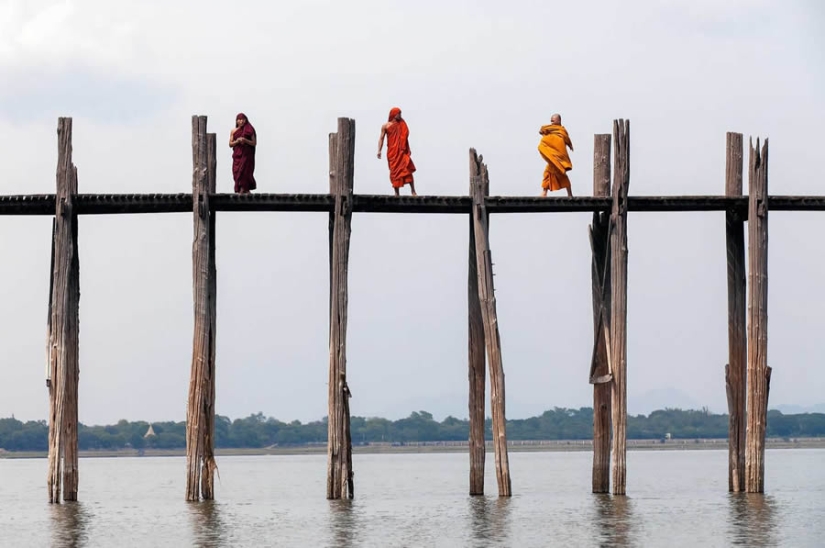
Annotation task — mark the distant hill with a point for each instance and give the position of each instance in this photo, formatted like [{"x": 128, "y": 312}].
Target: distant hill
[
  {"x": 256, "y": 431},
  {"x": 799, "y": 409},
  {"x": 660, "y": 398}
]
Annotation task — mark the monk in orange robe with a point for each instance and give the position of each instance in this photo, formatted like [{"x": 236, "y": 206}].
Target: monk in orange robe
[
  {"x": 398, "y": 151},
  {"x": 553, "y": 148}
]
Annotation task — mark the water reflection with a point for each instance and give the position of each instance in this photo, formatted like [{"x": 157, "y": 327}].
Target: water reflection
[
  {"x": 342, "y": 523},
  {"x": 614, "y": 521},
  {"x": 208, "y": 526},
  {"x": 752, "y": 519},
  {"x": 490, "y": 518},
  {"x": 70, "y": 524}
]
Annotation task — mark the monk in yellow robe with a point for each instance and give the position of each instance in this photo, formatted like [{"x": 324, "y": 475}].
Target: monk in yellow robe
[
  {"x": 553, "y": 148},
  {"x": 398, "y": 151}
]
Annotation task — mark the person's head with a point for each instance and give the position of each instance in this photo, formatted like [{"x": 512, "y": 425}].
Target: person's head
[
  {"x": 240, "y": 119},
  {"x": 555, "y": 119},
  {"x": 395, "y": 115}
]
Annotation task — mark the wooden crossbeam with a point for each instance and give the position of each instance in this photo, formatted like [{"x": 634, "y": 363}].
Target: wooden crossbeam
[{"x": 109, "y": 204}]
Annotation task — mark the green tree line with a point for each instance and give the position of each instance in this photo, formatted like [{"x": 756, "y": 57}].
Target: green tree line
[{"x": 258, "y": 431}]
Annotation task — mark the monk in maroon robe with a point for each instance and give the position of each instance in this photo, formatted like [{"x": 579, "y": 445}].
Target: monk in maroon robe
[{"x": 243, "y": 141}]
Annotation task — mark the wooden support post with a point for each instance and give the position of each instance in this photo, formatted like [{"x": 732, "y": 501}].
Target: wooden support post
[
  {"x": 200, "y": 413},
  {"x": 487, "y": 300},
  {"x": 339, "y": 446},
  {"x": 348, "y": 480},
  {"x": 333, "y": 156},
  {"x": 71, "y": 472},
  {"x": 600, "y": 375},
  {"x": 618, "y": 300},
  {"x": 735, "y": 370},
  {"x": 476, "y": 355},
  {"x": 209, "y": 464},
  {"x": 63, "y": 328},
  {"x": 49, "y": 311},
  {"x": 759, "y": 374}
]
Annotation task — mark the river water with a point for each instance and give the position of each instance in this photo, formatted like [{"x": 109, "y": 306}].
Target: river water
[{"x": 675, "y": 498}]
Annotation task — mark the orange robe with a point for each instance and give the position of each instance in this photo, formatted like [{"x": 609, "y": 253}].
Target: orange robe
[
  {"x": 553, "y": 148},
  {"x": 398, "y": 153}
]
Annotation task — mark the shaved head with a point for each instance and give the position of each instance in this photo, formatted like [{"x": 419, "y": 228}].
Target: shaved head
[{"x": 555, "y": 119}]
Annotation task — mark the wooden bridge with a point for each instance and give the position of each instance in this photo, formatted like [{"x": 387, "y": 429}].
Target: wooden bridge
[
  {"x": 747, "y": 375},
  {"x": 107, "y": 204}
]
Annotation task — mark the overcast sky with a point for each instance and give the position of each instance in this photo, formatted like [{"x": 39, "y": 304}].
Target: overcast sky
[{"x": 467, "y": 73}]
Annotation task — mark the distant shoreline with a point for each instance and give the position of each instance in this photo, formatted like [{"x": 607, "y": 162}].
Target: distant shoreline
[{"x": 553, "y": 446}]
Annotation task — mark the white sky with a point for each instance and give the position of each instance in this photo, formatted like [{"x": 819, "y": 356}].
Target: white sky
[{"x": 466, "y": 73}]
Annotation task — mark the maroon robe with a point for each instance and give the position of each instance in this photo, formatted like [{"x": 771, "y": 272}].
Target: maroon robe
[{"x": 243, "y": 158}]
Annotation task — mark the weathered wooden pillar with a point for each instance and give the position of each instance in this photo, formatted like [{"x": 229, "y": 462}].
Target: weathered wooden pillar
[
  {"x": 333, "y": 157},
  {"x": 618, "y": 300},
  {"x": 200, "y": 412},
  {"x": 759, "y": 374},
  {"x": 476, "y": 355},
  {"x": 339, "y": 449},
  {"x": 735, "y": 370},
  {"x": 210, "y": 466},
  {"x": 487, "y": 301},
  {"x": 63, "y": 327},
  {"x": 600, "y": 374},
  {"x": 348, "y": 481}
]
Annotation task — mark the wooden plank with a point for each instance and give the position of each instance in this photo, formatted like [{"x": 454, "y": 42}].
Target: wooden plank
[
  {"x": 200, "y": 462},
  {"x": 735, "y": 370},
  {"x": 49, "y": 310},
  {"x": 333, "y": 147},
  {"x": 55, "y": 437},
  {"x": 347, "y": 479},
  {"x": 71, "y": 473},
  {"x": 618, "y": 309},
  {"x": 600, "y": 286},
  {"x": 487, "y": 299},
  {"x": 107, "y": 204},
  {"x": 209, "y": 464},
  {"x": 346, "y": 167},
  {"x": 758, "y": 372},
  {"x": 476, "y": 358},
  {"x": 339, "y": 456},
  {"x": 332, "y": 426},
  {"x": 62, "y": 332}
]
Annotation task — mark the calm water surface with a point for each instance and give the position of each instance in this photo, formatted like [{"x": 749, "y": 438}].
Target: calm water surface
[{"x": 676, "y": 498}]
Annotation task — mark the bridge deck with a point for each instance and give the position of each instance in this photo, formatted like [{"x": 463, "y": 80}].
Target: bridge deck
[{"x": 100, "y": 204}]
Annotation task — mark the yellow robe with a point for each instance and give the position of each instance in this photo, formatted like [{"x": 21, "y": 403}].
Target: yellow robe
[{"x": 553, "y": 148}]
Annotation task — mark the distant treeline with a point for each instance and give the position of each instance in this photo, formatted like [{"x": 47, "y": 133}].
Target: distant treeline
[{"x": 258, "y": 431}]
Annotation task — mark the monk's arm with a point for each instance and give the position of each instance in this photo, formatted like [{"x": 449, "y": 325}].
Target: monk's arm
[
  {"x": 254, "y": 141},
  {"x": 381, "y": 140},
  {"x": 232, "y": 141}
]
